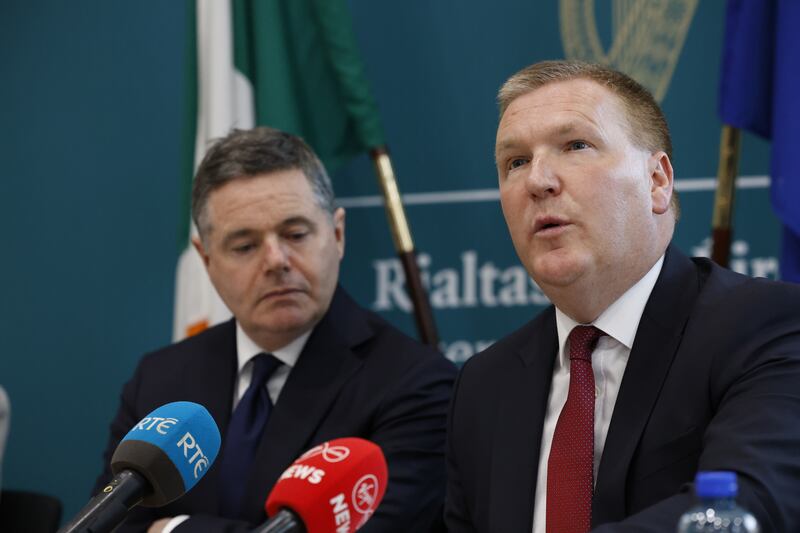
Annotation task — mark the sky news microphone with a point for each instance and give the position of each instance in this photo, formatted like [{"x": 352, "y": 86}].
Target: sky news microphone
[
  {"x": 332, "y": 488},
  {"x": 161, "y": 458}
]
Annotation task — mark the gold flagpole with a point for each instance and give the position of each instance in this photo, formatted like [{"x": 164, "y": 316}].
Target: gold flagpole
[
  {"x": 404, "y": 245},
  {"x": 722, "y": 220}
]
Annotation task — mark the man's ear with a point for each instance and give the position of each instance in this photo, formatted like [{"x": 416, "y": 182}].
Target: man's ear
[
  {"x": 198, "y": 245},
  {"x": 338, "y": 229},
  {"x": 661, "y": 182}
]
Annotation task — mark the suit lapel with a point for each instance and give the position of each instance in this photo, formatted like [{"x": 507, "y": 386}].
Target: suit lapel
[
  {"x": 657, "y": 340},
  {"x": 324, "y": 366},
  {"x": 518, "y": 429},
  {"x": 209, "y": 381},
  {"x": 219, "y": 374}
]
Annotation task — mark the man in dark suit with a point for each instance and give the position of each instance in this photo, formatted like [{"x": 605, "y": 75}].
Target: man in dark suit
[
  {"x": 272, "y": 241},
  {"x": 649, "y": 367}
]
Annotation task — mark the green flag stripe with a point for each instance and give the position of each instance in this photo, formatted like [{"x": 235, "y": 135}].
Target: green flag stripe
[
  {"x": 301, "y": 58},
  {"x": 340, "y": 41}
]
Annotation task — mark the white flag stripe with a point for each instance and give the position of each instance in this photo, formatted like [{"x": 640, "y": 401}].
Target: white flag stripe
[
  {"x": 224, "y": 96},
  {"x": 224, "y": 101}
]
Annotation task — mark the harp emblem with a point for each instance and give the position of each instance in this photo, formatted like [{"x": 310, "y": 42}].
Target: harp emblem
[{"x": 647, "y": 37}]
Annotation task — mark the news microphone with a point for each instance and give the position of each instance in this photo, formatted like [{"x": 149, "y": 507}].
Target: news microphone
[
  {"x": 161, "y": 458},
  {"x": 332, "y": 488}
]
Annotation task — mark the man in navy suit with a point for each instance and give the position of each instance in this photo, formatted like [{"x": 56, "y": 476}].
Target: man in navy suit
[
  {"x": 272, "y": 239},
  {"x": 649, "y": 367}
]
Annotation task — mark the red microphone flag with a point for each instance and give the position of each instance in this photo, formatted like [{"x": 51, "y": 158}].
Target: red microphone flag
[{"x": 334, "y": 487}]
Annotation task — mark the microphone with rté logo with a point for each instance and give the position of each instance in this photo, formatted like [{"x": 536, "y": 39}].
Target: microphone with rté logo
[
  {"x": 161, "y": 458},
  {"x": 332, "y": 488}
]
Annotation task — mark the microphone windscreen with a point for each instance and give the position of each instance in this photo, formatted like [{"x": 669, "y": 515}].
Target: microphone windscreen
[
  {"x": 334, "y": 487},
  {"x": 5, "y": 420},
  {"x": 172, "y": 447}
]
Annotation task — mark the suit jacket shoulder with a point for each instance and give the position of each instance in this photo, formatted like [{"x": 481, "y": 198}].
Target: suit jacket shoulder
[{"x": 199, "y": 369}]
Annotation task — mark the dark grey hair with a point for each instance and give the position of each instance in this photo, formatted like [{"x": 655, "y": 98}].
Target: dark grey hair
[{"x": 244, "y": 154}]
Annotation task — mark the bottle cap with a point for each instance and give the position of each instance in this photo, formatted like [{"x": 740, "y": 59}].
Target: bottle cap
[{"x": 719, "y": 484}]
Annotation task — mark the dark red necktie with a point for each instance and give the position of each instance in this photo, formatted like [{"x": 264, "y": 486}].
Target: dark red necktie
[{"x": 570, "y": 478}]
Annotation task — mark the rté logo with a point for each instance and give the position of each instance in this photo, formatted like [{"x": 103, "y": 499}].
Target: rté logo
[
  {"x": 188, "y": 442},
  {"x": 161, "y": 425}
]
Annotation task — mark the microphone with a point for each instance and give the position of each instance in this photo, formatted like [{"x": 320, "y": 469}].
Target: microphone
[
  {"x": 161, "y": 458},
  {"x": 332, "y": 488},
  {"x": 5, "y": 422}
]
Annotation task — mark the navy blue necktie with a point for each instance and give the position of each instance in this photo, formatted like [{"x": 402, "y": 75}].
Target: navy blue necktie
[{"x": 244, "y": 433}]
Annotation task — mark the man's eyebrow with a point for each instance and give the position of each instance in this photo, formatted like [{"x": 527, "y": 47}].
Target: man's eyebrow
[
  {"x": 566, "y": 128},
  {"x": 238, "y": 234},
  {"x": 506, "y": 145},
  {"x": 299, "y": 219}
]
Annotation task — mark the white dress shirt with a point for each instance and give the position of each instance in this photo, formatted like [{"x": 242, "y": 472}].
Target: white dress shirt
[
  {"x": 246, "y": 349},
  {"x": 619, "y": 322}
]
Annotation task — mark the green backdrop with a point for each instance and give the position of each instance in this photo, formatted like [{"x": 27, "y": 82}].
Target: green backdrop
[{"x": 91, "y": 113}]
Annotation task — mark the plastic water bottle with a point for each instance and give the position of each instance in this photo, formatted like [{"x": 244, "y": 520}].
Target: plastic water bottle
[{"x": 717, "y": 510}]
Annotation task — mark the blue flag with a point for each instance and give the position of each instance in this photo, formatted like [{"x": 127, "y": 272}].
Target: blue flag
[{"x": 760, "y": 92}]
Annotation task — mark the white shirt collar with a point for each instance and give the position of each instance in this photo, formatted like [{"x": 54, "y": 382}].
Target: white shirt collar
[
  {"x": 246, "y": 349},
  {"x": 620, "y": 320}
]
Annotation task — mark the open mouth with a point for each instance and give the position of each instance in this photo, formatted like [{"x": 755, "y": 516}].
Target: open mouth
[{"x": 549, "y": 224}]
